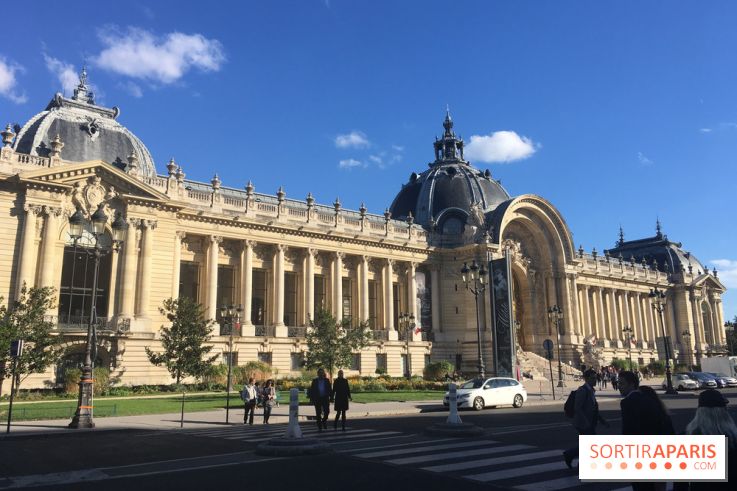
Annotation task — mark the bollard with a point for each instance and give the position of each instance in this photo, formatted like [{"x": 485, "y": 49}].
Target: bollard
[
  {"x": 181, "y": 421},
  {"x": 293, "y": 429},
  {"x": 453, "y": 418}
]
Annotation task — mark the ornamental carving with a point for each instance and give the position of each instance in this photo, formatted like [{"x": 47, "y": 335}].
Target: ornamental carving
[{"x": 87, "y": 197}]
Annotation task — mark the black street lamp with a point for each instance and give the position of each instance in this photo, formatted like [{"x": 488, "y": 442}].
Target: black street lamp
[
  {"x": 628, "y": 332},
  {"x": 230, "y": 316},
  {"x": 77, "y": 222},
  {"x": 555, "y": 314},
  {"x": 474, "y": 277},
  {"x": 407, "y": 327},
  {"x": 686, "y": 336},
  {"x": 658, "y": 298}
]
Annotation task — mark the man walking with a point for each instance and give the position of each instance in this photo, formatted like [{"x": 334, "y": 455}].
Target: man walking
[
  {"x": 320, "y": 395},
  {"x": 249, "y": 396},
  {"x": 586, "y": 413}
]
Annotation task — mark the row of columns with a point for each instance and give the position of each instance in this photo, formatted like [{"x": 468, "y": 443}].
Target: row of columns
[{"x": 278, "y": 267}]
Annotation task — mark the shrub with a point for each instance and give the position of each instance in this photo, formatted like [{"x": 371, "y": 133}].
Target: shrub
[
  {"x": 380, "y": 371},
  {"x": 257, "y": 370},
  {"x": 216, "y": 375},
  {"x": 101, "y": 385},
  {"x": 438, "y": 370},
  {"x": 657, "y": 367}
]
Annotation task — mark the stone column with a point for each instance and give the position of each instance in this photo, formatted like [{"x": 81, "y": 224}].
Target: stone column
[
  {"x": 175, "y": 277},
  {"x": 111, "y": 292},
  {"x": 281, "y": 328},
  {"x": 48, "y": 252},
  {"x": 310, "y": 284},
  {"x": 212, "y": 277},
  {"x": 130, "y": 267},
  {"x": 28, "y": 252},
  {"x": 247, "y": 287},
  {"x": 144, "y": 290},
  {"x": 338, "y": 285},
  {"x": 412, "y": 297},
  {"x": 364, "y": 287},
  {"x": 435, "y": 298},
  {"x": 389, "y": 300},
  {"x": 600, "y": 318},
  {"x": 719, "y": 309},
  {"x": 574, "y": 309},
  {"x": 698, "y": 325}
]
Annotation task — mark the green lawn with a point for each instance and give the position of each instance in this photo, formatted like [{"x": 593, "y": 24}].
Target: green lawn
[{"x": 193, "y": 402}]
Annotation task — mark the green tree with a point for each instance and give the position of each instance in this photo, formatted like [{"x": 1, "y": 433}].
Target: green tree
[
  {"x": 731, "y": 338},
  {"x": 186, "y": 342},
  {"x": 331, "y": 344},
  {"x": 26, "y": 319}
]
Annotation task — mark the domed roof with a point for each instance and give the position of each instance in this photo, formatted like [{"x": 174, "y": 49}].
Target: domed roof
[
  {"x": 450, "y": 188},
  {"x": 88, "y": 131},
  {"x": 668, "y": 256}
]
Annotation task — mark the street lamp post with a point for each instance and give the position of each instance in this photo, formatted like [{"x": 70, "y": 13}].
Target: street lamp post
[
  {"x": 658, "y": 298},
  {"x": 628, "y": 332},
  {"x": 474, "y": 277},
  {"x": 555, "y": 314},
  {"x": 686, "y": 336},
  {"x": 407, "y": 326},
  {"x": 83, "y": 416},
  {"x": 230, "y": 316},
  {"x": 729, "y": 329}
]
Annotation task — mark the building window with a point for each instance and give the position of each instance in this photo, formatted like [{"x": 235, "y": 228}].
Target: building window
[
  {"x": 258, "y": 298},
  {"x": 397, "y": 304},
  {"x": 77, "y": 274},
  {"x": 319, "y": 289},
  {"x": 381, "y": 363},
  {"x": 405, "y": 364},
  {"x": 356, "y": 362},
  {"x": 372, "y": 304},
  {"x": 290, "y": 299},
  {"x": 427, "y": 360},
  {"x": 189, "y": 280},
  {"x": 265, "y": 357},
  {"x": 226, "y": 286},
  {"x": 297, "y": 361},
  {"x": 347, "y": 299},
  {"x": 233, "y": 358}
]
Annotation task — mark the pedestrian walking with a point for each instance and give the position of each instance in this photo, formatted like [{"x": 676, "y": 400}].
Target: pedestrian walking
[
  {"x": 585, "y": 413},
  {"x": 712, "y": 418},
  {"x": 605, "y": 378},
  {"x": 341, "y": 396},
  {"x": 249, "y": 396},
  {"x": 267, "y": 395},
  {"x": 666, "y": 423},
  {"x": 320, "y": 395},
  {"x": 615, "y": 379},
  {"x": 259, "y": 397}
]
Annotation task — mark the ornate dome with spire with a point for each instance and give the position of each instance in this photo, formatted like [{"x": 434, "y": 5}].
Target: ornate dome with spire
[
  {"x": 451, "y": 193},
  {"x": 88, "y": 132}
]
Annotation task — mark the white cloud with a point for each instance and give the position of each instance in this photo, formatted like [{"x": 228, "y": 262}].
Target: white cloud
[
  {"x": 133, "y": 89},
  {"x": 398, "y": 148},
  {"x": 727, "y": 271},
  {"x": 350, "y": 164},
  {"x": 8, "y": 81},
  {"x": 139, "y": 54},
  {"x": 705, "y": 130},
  {"x": 500, "y": 146},
  {"x": 64, "y": 72},
  {"x": 643, "y": 159},
  {"x": 354, "y": 139}
]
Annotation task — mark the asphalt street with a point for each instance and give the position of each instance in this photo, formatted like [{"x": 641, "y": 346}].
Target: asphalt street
[{"x": 520, "y": 450}]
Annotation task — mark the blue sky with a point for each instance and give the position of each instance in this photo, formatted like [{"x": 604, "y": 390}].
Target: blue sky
[{"x": 616, "y": 112}]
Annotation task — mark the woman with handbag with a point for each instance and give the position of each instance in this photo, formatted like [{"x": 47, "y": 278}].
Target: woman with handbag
[
  {"x": 267, "y": 394},
  {"x": 341, "y": 395}
]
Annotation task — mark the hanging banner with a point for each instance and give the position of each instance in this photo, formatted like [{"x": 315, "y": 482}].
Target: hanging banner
[{"x": 501, "y": 302}]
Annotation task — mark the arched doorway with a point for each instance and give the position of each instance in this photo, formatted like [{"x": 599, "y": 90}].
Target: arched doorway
[{"x": 77, "y": 275}]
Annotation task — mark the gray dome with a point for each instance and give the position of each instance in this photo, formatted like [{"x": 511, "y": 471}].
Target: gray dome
[
  {"x": 450, "y": 189},
  {"x": 88, "y": 131}
]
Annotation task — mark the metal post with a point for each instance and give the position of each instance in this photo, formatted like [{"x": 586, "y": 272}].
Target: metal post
[
  {"x": 12, "y": 393},
  {"x": 550, "y": 364},
  {"x": 181, "y": 420},
  {"x": 230, "y": 371},
  {"x": 482, "y": 368},
  {"x": 560, "y": 364}
]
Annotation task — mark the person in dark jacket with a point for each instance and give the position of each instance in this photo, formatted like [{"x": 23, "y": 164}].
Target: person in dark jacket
[
  {"x": 320, "y": 396},
  {"x": 586, "y": 413},
  {"x": 341, "y": 395},
  {"x": 666, "y": 423}
]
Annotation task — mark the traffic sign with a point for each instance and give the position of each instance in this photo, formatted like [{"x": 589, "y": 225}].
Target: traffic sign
[{"x": 548, "y": 345}]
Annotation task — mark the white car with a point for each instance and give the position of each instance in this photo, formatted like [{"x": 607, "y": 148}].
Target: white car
[
  {"x": 495, "y": 391},
  {"x": 681, "y": 381}
]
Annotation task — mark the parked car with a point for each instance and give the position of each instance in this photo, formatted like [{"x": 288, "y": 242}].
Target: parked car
[
  {"x": 705, "y": 381},
  {"x": 495, "y": 391},
  {"x": 722, "y": 380},
  {"x": 682, "y": 381}
]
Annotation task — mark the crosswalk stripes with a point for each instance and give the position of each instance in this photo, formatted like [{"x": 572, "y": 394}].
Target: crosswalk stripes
[{"x": 507, "y": 459}]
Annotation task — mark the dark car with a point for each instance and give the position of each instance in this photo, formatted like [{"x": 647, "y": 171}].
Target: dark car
[
  {"x": 722, "y": 380},
  {"x": 704, "y": 380}
]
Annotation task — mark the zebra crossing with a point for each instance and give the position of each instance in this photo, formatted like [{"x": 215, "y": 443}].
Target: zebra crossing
[{"x": 509, "y": 465}]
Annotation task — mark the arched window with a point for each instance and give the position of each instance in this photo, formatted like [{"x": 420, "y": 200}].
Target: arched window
[
  {"x": 453, "y": 226},
  {"x": 77, "y": 275}
]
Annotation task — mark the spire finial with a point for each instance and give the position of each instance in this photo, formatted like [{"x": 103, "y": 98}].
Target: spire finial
[
  {"x": 658, "y": 229},
  {"x": 83, "y": 75},
  {"x": 621, "y": 236},
  {"x": 82, "y": 93}
]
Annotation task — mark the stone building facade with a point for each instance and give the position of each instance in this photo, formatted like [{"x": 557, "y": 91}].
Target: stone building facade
[{"x": 282, "y": 258}]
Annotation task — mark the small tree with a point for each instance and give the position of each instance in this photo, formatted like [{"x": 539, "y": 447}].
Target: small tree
[
  {"x": 26, "y": 319},
  {"x": 331, "y": 344},
  {"x": 186, "y": 342}
]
